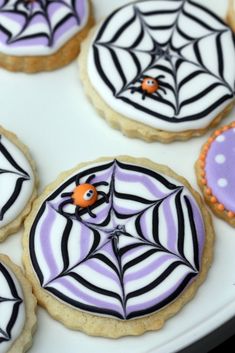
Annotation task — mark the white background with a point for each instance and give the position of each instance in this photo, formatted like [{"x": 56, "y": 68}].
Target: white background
[{"x": 50, "y": 113}]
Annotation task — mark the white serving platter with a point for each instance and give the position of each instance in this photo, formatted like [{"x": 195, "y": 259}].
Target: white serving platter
[{"x": 52, "y": 115}]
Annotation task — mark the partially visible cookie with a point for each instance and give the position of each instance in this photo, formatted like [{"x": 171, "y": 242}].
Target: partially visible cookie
[
  {"x": 157, "y": 72},
  {"x": 18, "y": 183},
  {"x": 17, "y": 308},
  {"x": 231, "y": 14},
  {"x": 42, "y": 35},
  {"x": 115, "y": 247},
  {"x": 215, "y": 171}
]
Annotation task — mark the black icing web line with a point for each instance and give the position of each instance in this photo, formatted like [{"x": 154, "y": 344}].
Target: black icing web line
[
  {"x": 21, "y": 177},
  {"x": 15, "y": 300},
  {"x": 26, "y": 9},
  {"x": 166, "y": 58},
  {"x": 112, "y": 236}
]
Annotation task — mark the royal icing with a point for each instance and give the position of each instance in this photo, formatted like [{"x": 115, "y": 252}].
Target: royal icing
[
  {"x": 39, "y": 27},
  {"x": 218, "y": 172},
  {"x": 12, "y": 308},
  {"x": 16, "y": 181},
  {"x": 127, "y": 255},
  {"x": 179, "y": 43}
]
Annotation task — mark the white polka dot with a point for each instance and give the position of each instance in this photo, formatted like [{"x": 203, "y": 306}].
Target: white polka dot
[
  {"x": 220, "y": 158},
  {"x": 220, "y": 138},
  {"x": 234, "y": 130},
  {"x": 222, "y": 182}
]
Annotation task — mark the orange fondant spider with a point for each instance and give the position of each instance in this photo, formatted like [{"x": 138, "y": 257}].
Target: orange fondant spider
[
  {"x": 149, "y": 86},
  {"x": 83, "y": 196}
]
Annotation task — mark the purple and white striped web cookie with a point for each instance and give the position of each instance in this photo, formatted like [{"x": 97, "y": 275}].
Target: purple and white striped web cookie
[{"x": 131, "y": 253}]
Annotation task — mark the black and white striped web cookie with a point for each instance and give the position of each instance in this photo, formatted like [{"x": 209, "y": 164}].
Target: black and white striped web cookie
[
  {"x": 17, "y": 307},
  {"x": 161, "y": 70},
  {"x": 17, "y": 183}
]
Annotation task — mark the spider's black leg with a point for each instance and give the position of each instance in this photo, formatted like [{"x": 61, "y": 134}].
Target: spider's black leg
[
  {"x": 159, "y": 77},
  {"x": 77, "y": 180},
  {"x": 100, "y": 183},
  {"x": 91, "y": 214},
  {"x": 158, "y": 94},
  {"x": 18, "y": 2},
  {"x": 90, "y": 178},
  {"x": 144, "y": 95},
  {"x": 133, "y": 90},
  {"x": 104, "y": 195},
  {"x": 162, "y": 89},
  {"x": 67, "y": 194},
  {"x": 64, "y": 203},
  {"x": 77, "y": 214}
]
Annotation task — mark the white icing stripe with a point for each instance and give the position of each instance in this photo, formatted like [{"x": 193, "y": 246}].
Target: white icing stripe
[
  {"x": 187, "y": 49},
  {"x": 12, "y": 308},
  {"x": 16, "y": 181}
]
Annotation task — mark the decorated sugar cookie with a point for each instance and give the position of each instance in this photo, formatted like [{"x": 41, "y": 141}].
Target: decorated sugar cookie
[
  {"x": 231, "y": 14},
  {"x": 160, "y": 70},
  {"x": 216, "y": 172},
  {"x": 17, "y": 183},
  {"x": 41, "y": 35},
  {"x": 117, "y": 246},
  {"x": 17, "y": 308}
]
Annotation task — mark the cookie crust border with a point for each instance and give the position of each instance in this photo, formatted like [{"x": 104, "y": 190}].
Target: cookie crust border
[
  {"x": 67, "y": 53},
  {"x": 108, "y": 327},
  {"x": 231, "y": 14},
  {"x": 24, "y": 341},
  {"x": 14, "y": 226},
  {"x": 129, "y": 127},
  {"x": 215, "y": 205}
]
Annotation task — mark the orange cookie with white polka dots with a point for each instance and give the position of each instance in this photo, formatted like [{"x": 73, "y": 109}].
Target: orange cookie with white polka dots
[{"x": 216, "y": 173}]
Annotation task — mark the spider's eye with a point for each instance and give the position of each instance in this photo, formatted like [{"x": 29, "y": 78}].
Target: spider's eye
[{"x": 88, "y": 195}]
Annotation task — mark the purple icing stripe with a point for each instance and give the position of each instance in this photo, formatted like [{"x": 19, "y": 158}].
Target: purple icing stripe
[
  {"x": 134, "y": 276},
  {"x": 200, "y": 228},
  {"x": 81, "y": 8},
  {"x": 100, "y": 268},
  {"x": 142, "y": 179}
]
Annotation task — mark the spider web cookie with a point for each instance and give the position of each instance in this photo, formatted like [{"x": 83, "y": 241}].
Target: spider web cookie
[
  {"x": 17, "y": 308},
  {"x": 17, "y": 183},
  {"x": 183, "y": 43},
  {"x": 132, "y": 252},
  {"x": 40, "y": 35}
]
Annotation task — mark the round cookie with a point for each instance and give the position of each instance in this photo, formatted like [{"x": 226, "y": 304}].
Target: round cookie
[
  {"x": 123, "y": 258},
  {"x": 231, "y": 14},
  {"x": 40, "y": 35},
  {"x": 18, "y": 183},
  {"x": 160, "y": 70},
  {"x": 17, "y": 307},
  {"x": 216, "y": 173}
]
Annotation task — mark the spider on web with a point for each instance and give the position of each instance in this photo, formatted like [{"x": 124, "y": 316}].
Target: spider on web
[
  {"x": 83, "y": 196},
  {"x": 149, "y": 86}
]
